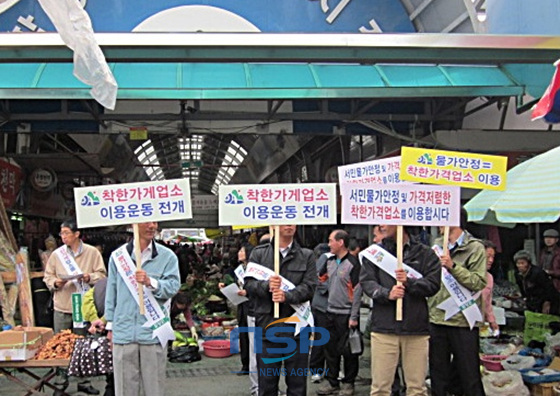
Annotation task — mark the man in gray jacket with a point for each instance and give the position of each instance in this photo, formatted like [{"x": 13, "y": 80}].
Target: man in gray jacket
[{"x": 342, "y": 271}]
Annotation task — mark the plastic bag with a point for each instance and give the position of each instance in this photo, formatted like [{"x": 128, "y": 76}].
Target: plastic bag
[
  {"x": 504, "y": 383},
  {"x": 518, "y": 362},
  {"x": 536, "y": 326},
  {"x": 551, "y": 341},
  {"x": 355, "y": 342}
]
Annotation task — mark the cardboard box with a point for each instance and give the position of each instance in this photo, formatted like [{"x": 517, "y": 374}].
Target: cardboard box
[
  {"x": 544, "y": 389},
  {"x": 22, "y": 344}
]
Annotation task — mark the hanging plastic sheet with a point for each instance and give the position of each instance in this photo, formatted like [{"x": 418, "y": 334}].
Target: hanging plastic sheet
[{"x": 74, "y": 26}]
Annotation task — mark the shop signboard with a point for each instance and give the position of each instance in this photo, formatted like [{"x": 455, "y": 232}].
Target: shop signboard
[
  {"x": 204, "y": 203},
  {"x": 286, "y": 16},
  {"x": 400, "y": 204},
  {"x": 471, "y": 170},
  {"x": 131, "y": 203},
  {"x": 277, "y": 204},
  {"x": 10, "y": 183}
]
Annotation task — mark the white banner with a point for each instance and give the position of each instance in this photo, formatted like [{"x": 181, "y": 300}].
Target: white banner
[
  {"x": 386, "y": 261},
  {"x": 156, "y": 319},
  {"x": 401, "y": 204},
  {"x": 71, "y": 268},
  {"x": 131, "y": 203},
  {"x": 461, "y": 300},
  {"x": 303, "y": 311},
  {"x": 277, "y": 204}
]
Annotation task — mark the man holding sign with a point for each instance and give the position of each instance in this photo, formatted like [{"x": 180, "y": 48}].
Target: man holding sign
[
  {"x": 140, "y": 341},
  {"x": 454, "y": 311},
  {"x": 297, "y": 265},
  {"x": 70, "y": 271},
  {"x": 407, "y": 339}
]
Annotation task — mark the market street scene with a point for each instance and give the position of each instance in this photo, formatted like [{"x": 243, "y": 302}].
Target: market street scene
[{"x": 298, "y": 197}]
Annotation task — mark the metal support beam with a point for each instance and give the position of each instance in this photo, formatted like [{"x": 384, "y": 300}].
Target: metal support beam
[{"x": 274, "y": 47}]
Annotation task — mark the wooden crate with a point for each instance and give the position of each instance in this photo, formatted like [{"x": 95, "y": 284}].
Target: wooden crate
[{"x": 544, "y": 389}]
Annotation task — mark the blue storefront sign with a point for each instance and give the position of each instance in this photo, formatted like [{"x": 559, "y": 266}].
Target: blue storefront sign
[{"x": 285, "y": 16}]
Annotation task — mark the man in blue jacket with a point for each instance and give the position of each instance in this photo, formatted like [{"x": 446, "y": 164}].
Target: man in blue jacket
[
  {"x": 409, "y": 337},
  {"x": 139, "y": 358}
]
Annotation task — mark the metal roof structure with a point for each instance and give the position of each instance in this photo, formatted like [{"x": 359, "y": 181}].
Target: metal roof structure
[{"x": 221, "y": 107}]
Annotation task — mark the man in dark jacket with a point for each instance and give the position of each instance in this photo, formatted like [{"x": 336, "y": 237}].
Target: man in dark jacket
[
  {"x": 390, "y": 338},
  {"x": 297, "y": 265},
  {"x": 535, "y": 285}
]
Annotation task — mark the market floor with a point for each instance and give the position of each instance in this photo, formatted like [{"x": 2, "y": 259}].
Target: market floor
[{"x": 208, "y": 377}]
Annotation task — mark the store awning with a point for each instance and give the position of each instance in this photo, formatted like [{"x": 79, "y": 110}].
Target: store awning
[{"x": 262, "y": 81}]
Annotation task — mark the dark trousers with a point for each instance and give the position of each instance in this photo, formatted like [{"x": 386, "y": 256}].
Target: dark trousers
[
  {"x": 293, "y": 370},
  {"x": 463, "y": 344},
  {"x": 317, "y": 358},
  {"x": 337, "y": 347},
  {"x": 243, "y": 337}
]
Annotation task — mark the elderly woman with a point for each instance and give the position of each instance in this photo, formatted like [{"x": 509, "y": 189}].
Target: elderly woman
[{"x": 535, "y": 285}]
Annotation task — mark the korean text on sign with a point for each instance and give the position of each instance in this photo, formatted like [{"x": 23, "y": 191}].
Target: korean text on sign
[
  {"x": 133, "y": 203},
  {"x": 277, "y": 204},
  {"x": 401, "y": 204},
  {"x": 454, "y": 168},
  {"x": 384, "y": 171}
]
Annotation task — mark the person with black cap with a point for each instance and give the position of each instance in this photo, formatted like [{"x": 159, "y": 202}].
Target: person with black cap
[
  {"x": 535, "y": 286},
  {"x": 549, "y": 258}
]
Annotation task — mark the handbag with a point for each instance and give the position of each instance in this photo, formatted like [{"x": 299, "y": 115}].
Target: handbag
[
  {"x": 92, "y": 356},
  {"x": 355, "y": 342}
]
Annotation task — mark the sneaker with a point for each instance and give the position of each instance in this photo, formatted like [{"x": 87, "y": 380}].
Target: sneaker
[
  {"x": 86, "y": 387},
  {"x": 328, "y": 389},
  {"x": 346, "y": 389},
  {"x": 316, "y": 378}
]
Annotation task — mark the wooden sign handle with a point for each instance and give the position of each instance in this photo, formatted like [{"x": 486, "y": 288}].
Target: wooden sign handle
[
  {"x": 276, "y": 265},
  {"x": 399, "y": 317},
  {"x": 138, "y": 256},
  {"x": 445, "y": 239}
]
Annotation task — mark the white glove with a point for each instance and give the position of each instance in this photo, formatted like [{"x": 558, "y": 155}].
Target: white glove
[{"x": 194, "y": 334}]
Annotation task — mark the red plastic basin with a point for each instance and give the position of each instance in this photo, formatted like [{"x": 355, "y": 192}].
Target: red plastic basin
[
  {"x": 216, "y": 348},
  {"x": 492, "y": 362}
]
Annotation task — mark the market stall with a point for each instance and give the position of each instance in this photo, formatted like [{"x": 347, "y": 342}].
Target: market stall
[{"x": 42, "y": 379}]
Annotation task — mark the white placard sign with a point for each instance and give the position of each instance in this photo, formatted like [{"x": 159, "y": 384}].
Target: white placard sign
[
  {"x": 131, "y": 203},
  {"x": 402, "y": 204},
  {"x": 277, "y": 204},
  {"x": 383, "y": 171}
]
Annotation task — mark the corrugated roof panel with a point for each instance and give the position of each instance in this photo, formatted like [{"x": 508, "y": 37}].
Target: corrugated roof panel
[
  {"x": 57, "y": 75},
  {"x": 479, "y": 76},
  {"x": 281, "y": 76},
  {"x": 348, "y": 76},
  {"x": 258, "y": 81},
  {"x": 213, "y": 75},
  {"x": 414, "y": 76},
  {"x": 18, "y": 75},
  {"x": 146, "y": 75}
]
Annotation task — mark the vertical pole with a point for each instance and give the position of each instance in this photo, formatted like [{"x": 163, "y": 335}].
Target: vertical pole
[
  {"x": 276, "y": 265},
  {"x": 445, "y": 239},
  {"x": 399, "y": 266},
  {"x": 138, "y": 256}
]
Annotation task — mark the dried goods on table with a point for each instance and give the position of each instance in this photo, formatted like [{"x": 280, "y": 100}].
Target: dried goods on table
[{"x": 58, "y": 347}]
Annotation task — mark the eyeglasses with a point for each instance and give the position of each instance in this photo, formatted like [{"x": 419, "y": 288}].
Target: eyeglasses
[{"x": 65, "y": 233}]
